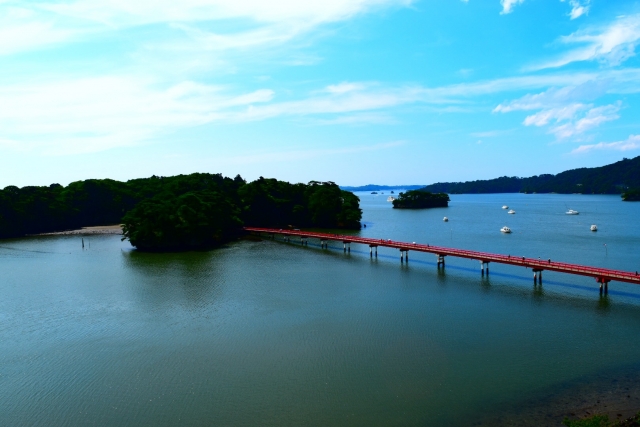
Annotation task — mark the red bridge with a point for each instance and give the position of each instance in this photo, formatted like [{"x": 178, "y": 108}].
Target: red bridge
[{"x": 602, "y": 275}]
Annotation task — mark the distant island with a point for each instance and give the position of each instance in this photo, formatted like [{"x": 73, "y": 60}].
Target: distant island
[
  {"x": 631, "y": 195},
  {"x": 177, "y": 213},
  {"x": 418, "y": 199},
  {"x": 615, "y": 178}
]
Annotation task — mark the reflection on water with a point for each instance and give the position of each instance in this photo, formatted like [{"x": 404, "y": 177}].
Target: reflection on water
[{"x": 274, "y": 333}]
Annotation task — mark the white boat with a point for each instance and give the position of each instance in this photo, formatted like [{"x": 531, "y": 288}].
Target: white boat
[
  {"x": 505, "y": 207},
  {"x": 505, "y": 229},
  {"x": 445, "y": 219},
  {"x": 572, "y": 212},
  {"x": 594, "y": 227},
  {"x": 390, "y": 199},
  {"x": 511, "y": 211}
]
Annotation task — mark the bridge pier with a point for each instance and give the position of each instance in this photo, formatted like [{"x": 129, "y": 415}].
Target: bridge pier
[
  {"x": 537, "y": 273},
  {"x": 371, "y": 250},
  {"x": 440, "y": 259},
  {"x": 404, "y": 254},
  {"x": 604, "y": 283},
  {"x": 346, "y": 246},
  {"x": 483, "y": 265}
]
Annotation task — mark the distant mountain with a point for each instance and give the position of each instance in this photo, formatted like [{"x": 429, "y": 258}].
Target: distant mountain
[
  {"x": 615, "y": 178},
  {"x": 373, "y": 187}
]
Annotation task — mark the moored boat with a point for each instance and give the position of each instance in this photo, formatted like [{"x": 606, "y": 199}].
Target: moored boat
[
  {"x": 505, "y": 229},
  {"x": 594, "y": 227},
  {"x": 511, "y": 212}
]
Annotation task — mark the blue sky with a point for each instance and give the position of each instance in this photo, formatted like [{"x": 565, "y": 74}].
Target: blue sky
[{"x": 352, "y": 91}]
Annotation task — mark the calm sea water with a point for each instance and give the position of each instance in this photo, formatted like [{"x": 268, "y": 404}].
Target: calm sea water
[{"x": 274, "y": 334}]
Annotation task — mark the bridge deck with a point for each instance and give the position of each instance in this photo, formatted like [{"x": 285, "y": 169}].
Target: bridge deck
[{"x": 601, "y": 274}]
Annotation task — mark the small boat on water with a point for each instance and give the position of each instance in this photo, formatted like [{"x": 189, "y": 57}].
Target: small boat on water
[
  {"x": 374, "y": 192},
  {"x": 511, "y": 212},
  {"x": 390, "y": 199},
  {"x": 572, "y": 212},
  {"x": 505, "y": 229},
  {"x": 505, "y": 207},
  {"x": 594, "y": 227},
  {"x": 445, "y": 219}
]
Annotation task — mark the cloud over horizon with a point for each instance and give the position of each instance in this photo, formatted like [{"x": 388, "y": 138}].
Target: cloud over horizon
[{"x": 631, "y": 143}]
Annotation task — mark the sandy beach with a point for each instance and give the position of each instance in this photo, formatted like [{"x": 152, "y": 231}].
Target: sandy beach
[{"x": 100, "y": 229}]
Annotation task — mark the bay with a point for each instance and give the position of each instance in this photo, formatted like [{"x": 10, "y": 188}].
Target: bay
[{"x": 263, "y": 332}]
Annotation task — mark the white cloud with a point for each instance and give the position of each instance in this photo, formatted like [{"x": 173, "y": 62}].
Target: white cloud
[
  {"x": 610, "y": 45},
  {"x": 249, "y": 22},
  {"x": 593, "y": 118},
  {"x": 507, "y": 5},
  {"x": 96, "y": 114},
  {"x": 22, "y": 29},
  {"x": 578, "y": 7},
  {"x": 631, "y": 143},
  {"x": 559, "y": 97},
  {"x": 543, "y": 117},
  {"x": 296, "y": 155},
  {"x": 125, "y": 12},
  {"x": 344, "y": 87},
  {"x": 562, "y": 107}
]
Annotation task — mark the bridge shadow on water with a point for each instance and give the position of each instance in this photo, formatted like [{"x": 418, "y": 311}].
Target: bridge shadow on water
[{"x": 485, "y": 280}]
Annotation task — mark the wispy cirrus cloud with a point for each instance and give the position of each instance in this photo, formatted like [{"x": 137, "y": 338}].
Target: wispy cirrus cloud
[
  {"x": 36, "y": 25},
  {"x": 631, "y": 143},
  {"x": 98, "y": 113},
  {"x": 579, "y": 124},
  {"x": 610, "y": 45},
  {"x": 507, "y": 5},
  {"x": 578, "y": 7},
  {"x": 294, "y": 155},
  {"x": 565, "y": 109}
]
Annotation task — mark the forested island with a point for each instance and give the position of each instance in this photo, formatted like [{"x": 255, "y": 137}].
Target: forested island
[
  {"x": 418, "y": 199},
  {"x": 631, "y": 195},
  {"x": 178, "y": 212},
  {"x": 615, "y": 178}
]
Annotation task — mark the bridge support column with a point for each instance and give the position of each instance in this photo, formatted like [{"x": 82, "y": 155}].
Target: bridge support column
[
  {"x": 440, "y": 259},
  {"x": 346, "y": 246},
  {"x": 371, "y": 250},
  {"x": 484, "y": 265},
  {"x": 604, "y": 284},
  {"x": 537, "y": 276}
]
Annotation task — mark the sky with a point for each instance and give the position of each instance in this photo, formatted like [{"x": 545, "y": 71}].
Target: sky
[{"x": 351, "y": 91}]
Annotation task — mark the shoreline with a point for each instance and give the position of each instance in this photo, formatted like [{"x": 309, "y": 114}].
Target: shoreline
[
  {"x": 84, "y": 231},
  {"x": 615, "y": 393}
]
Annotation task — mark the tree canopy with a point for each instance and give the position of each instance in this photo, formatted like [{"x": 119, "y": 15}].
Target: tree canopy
[
  {"x": 610, "y": 179},
  {"x": 184, "y": 211},
  {"x": 418, "y": 199}
]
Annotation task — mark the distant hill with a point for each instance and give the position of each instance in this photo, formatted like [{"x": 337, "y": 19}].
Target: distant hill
[
  {"x": 615, "y": 178},
  {"x": 373, "y": 187}
]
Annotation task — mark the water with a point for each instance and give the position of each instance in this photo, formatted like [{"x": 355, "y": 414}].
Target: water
[{"x": 270, "y": 333}]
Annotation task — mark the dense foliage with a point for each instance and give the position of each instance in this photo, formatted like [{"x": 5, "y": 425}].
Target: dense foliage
[
  {"x": 184, "y": 211},
  {"x": 418, "y": 199},
  {"x": 631, "y": 195},
  {"x": 269, "y": 202},
  {"x": 611, "y": 179}
]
